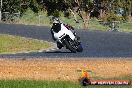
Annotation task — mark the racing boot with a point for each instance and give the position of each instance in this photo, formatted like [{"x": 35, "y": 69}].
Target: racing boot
[{"x": 59, "y": 45}]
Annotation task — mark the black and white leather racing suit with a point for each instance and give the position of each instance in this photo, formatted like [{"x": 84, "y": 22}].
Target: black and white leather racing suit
[{"x": 57, "y": 27}]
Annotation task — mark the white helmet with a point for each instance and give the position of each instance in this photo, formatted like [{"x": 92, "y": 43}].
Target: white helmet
[{"x": 55, "y": 20}]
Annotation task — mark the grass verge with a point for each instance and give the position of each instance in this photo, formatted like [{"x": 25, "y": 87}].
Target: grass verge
[
  {"x": 9, "y": 43},
  {"x": 54, "y": 84},
  {"x": 126, "y": 27}
]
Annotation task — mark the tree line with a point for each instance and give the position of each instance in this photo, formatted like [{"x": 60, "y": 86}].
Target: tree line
[{"x": 85, "y": 9}]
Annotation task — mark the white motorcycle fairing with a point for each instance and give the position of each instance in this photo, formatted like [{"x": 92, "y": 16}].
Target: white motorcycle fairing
[{"x": 62, "y": 33}]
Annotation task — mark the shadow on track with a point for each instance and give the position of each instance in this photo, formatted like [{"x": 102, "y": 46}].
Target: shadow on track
[{"x": 58, "y": 52}]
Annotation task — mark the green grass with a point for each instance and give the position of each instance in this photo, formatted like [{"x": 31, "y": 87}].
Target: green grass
[
  {"x": 53, "y": 84},
  {"x": 35, "y": 84},
  {"x": 95, "y": 25},
  {"x": 126, "y": 27},
  {"x": 9, "y": 43}
]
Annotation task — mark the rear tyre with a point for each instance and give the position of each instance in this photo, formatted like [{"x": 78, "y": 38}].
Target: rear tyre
[{"x": 68, "y": 46}]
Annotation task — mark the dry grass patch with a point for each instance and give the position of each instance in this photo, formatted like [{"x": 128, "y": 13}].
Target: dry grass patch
[{"x": 63, "y": 69}]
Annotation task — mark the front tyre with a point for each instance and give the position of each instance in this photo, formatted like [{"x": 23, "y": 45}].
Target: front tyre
[
  {"x": 80, "y": 48},
  {"x": 68, "y": 46}
]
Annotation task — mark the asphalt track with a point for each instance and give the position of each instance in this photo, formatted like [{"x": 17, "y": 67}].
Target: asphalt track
[{"x": 95, "y": 43}]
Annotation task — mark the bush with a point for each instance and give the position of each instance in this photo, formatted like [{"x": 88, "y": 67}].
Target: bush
[
  {"x": 57, "y": 13},
  {"x": 29, "y": 17},
  {"x": 113, "y": 17}
]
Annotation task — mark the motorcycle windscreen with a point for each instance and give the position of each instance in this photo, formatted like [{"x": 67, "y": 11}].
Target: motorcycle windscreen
[
  {"x": 63, "y": 32},
  {"x": 67, "y": 32}
]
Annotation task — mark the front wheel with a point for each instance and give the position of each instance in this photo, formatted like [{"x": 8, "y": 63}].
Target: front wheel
[
  {"x": 68, "y": 46},
  {"x": 80, "y": 48}
]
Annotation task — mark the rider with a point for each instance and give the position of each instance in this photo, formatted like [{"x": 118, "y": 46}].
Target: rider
[{"x": 57, "y": 27}]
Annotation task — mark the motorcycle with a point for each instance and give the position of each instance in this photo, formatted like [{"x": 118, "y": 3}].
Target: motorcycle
[{"x": 67, "y": 39}]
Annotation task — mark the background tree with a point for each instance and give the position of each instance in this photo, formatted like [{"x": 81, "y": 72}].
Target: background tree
[{"x": 82, "y": 8}]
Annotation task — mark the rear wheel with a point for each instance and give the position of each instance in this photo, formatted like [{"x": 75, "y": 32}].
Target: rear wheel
[{"x": 68, "y": 46}]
